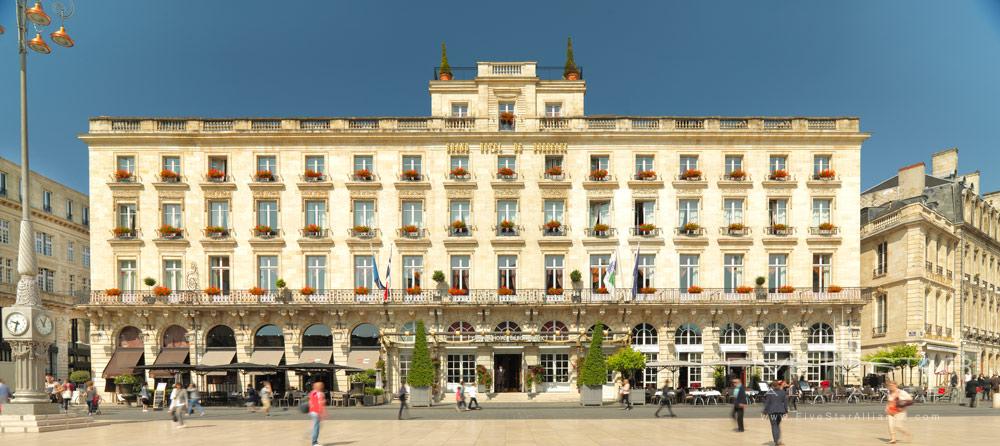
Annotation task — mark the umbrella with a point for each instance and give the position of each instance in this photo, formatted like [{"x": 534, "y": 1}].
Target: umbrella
[
  {"x": 245, "y": 367},
  {"x": 318, "y": 367},
  {"x": 169, "y": 366},
  {"x": 672, "y": 364}
]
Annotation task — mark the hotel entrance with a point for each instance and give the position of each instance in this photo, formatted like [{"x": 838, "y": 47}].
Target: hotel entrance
[{"x": 507, "y": 372}]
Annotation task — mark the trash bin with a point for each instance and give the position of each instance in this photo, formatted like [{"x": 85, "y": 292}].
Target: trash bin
[{"x": 996, "y": 400}]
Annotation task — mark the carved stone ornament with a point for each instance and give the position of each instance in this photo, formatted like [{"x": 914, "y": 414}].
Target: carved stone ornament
[
  {"x": 314, "y": 194},
  {"x": 27, "y": 292},
  {"x": 217, "y": 194},
  {"x": 410, "y": 193},
  {"x": 363, "y": 194},
  {"x": 125, "y": 193},
  {"x": 171, "y": 195},
  {"x": 266, "y": 194},
  {"x": 507, "y": 193},
  {"x": 191, "y": 281},
  {"x": 554, "y": 193},
  {"x": 459, "y": 193}
]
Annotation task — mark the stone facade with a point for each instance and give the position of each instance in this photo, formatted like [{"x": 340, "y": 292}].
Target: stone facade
[
  {"x": 930, "y": 249},
  {"x": 626, "y": 184},
  {"x": 62, "y": 238}
]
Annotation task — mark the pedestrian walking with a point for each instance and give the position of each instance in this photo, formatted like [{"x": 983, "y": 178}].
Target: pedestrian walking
[
  {"x": 984, "y": 387},
  {"x": 739, "y": 403},
  {"x": 4, "y": 395},
  {"x": 626, "y": 394},
  {"x": 66, "y": 395},
  {"x": 775, "y": 407},
  {"x": 970, "y": 391},
  {"x": 144, "y": 398},
  {"x": 794, "y": 393},
  {"x": 93, "y": 399},
  {"x": 317, "y": 409},
  {"x": 895, "y": 410},
  {"x": 460, "y": 397},
  {"x": 178, "y": 405},
  {"x": 194, "y": 401},
  {"x": 665, "y": 394},
  {"x": 266, "y": 395},
  {"x": 404, "y": 396},
  {"x": 251, "y": 398},
  {"x": 473, "y": 392}
]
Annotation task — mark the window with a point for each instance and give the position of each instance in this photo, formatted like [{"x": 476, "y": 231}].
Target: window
[
  {"x": 556, "y": 367},
  {"x": 820, "y": 334},
  {"x": 86, "y": 257},
  {"x": 412, "y": 162},
  {"x": 173, "y": 275},
  {"x": 552, "y": 161},
  {"x": 218, "y": 214},
  {"x": 777, "y": 333},
  {"x": 413, "y": 269},
  {"x": 267, "y": 213},
  {"x": 316, "y": 163},
  {"x": 820, "y": 164},
  {"x": 822, "y": 271},
  {"x": 688, "y": 271},
  {"x": 506, "y": 211},
  {"x": 218, "y": 163},
  {"x": 405, "y": 361},
  {"x": 691, "y": 374},
  {"x": 649, "y": 374},
  {"x": 507, "y": 328},
  {"x": 554, "y": 210},
  {"x": 126, "y": 215},
  {"x": 600, "y": 213},
  {"x": 172, "y": 215},
  {"x": 413, "y": 213},
  {"x": 43, "y": 244},
  {"x": 460, "y": 210},
  {"x": 599, "y": 162},
  {"x": 316, "y": 272},
  {"x": 507, "y": 161},
  {"x": 267, "y": 271},
  {"x": 778, "y": 162},
  {"x": 688, "y": 162},
  {"x": 460, "y": 272},
  {"x": 364, "y": 272},
  {"x": 687, "y": 211},
  {"x": 364, "y": 162},
  {"x": 218, "y": 272},
  {"x": 461, "y": 368},
  {"x": 86, "y": 215},
  {"x": 459, "y": 109},
  {"x": 461, "y": 331},
  {"x": 3, "y": 184},
  {"x": 70, "y": 251},
  {"x": 881, "y": 314},
  {"x": 647, "y": 265},
  {"x": 644, "y": 163},
  {"x": 364, "y": 213},
  {"x": 554, "y": 271},
  {"x": 881, "y": 259},
  {"x": 46, "y": 280},
  {"x": 316, "y": 213},
  {"x": 777, "y": 211},
  {"x": 172, "y": 163},
  {"x": 505, "y": 108},
  {"x": 734, "y": 163},
  {"x": 553, "y": 109},
  {"x": 598, "y": 270},
  {"x": 733, "y": 210},
  {"x": 554, "y": 331},
  {"x": 127, "y": 275},
  {"x": 69, "y": 209},
  {"x": 688, "y": 334},
  {"x": 821, "y": 211},
  {"x": 5, "y": 231},
  {"x": 6, "y": 270},
  {"x": 819, "y": 366},
  {"x": 507, "y": 272},
  {"x": 732, "y": 334},
  {"x": 46, "y": 201},
  {"x": 777, "y": 271},
  {"x": 126, "y": 163},
  {"x": 459, "y": 161},
  {"x": 732, "y": 271},
  {"x": 267, "y": 164},
  {"x": 644, "y": 334},
  {"x": 645, "y": 212}
]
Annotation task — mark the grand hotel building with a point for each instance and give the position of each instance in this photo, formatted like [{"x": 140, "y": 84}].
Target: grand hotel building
[{"x": 509, "y": 190}]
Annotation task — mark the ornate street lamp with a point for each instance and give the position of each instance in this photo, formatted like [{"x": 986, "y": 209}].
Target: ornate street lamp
[{"x": 27, "y": 325}]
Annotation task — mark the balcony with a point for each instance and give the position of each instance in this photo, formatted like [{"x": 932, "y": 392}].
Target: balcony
[
  {"x": 779, "y": 230},
  {"x": 600, "y": 232},
  {"x": 125, "y": 235},
  {"x": 824, "y": 230},
  {"x": 879, "y": 272},
  {"x": 779, "y": 179},
  {"x": 265, "y": 180},
  {"x": 217, "y": 233},
  {"x": 735, "y": 230},
  {"x": 599, "y": 180},
  {"x": 554, "y": 230},
  {"x": 460, "y": 229},
  {"x": 168, "y": 179},
  {"x": 411, "y": 232},
  {"x": 736, "y": 179},
  {"x": 690, "y": 179},
  {"x": 878, "y": 332},
  {"x": 553, "y": 124},
  {"x": 313, "y": 232},
  {"x": 124, "y": 179},
  {"x": 216, "y": 179},
  {"x": 645, "y": 231},
  {"x": 825, "y": 178},
  {"x": 507, "y": 229}
]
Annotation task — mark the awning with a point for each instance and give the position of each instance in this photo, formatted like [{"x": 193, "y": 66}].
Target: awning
[
  {"x": 169, "y": 356},
  {"x": 362, "y": 359},
  {"x": 122, "y": 362},
  {"x": 315, "y": 356},
  {"x": 218, "y": 357},
  {"x": 267, "y": 357}
]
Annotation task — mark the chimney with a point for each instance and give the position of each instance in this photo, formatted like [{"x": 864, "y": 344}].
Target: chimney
[
  {"x": 945, "y": 163},
  {"x": 911, "y": 181}
]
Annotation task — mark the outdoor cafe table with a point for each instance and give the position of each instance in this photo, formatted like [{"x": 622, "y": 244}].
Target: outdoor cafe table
[{"x": 705, "y": 396}]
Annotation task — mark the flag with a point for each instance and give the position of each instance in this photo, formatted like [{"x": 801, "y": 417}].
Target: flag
[
  {"x": 388, "y": 277},
  {"x": 609, "y": 276},
  {"x": 635, "y": 274},
  {"x": 378, "y": 281}
]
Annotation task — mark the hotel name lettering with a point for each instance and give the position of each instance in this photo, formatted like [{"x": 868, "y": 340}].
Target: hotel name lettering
[{"x": 516, "y": 148}]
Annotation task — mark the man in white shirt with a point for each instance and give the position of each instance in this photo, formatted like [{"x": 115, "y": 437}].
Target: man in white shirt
[{"x": 472, "y": 391}]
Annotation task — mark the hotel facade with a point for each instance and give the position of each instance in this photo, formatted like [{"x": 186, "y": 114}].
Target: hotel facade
[{"x": 502, "y": 213}]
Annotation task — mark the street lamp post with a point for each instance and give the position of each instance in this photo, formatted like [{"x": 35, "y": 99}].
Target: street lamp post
[{"x": 27, "y": 326}]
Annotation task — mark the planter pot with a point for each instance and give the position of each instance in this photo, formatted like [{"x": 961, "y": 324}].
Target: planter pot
[
  {"x": 420, "y": 396},
  {"x": 638, "y": 396},
  {"x": 591, "y": 395},
  {"x": 444, "y": 76},
  {"x": 482, "y": 389},
  {"x": 761, "y": 293}
]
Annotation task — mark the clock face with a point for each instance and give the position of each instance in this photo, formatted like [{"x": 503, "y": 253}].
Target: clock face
[
  {"x": 17, "y": 323},
  {"x": 43, "y": 324}
]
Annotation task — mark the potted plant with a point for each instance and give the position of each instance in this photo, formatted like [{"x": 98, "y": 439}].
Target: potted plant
[
  {"x": 264, "y": 176},
  {"x": 601, "y": 290},
  {"x": 506, "y": 226},
  {"x": 444, "y": 72},
  {"x": 759, "y": 289},
  {"x": 484, "y": 379},
  {"x": 691, "y": 175},
  {"x": 779, "y": 175},
  {"x": 215, "y": 175},
  {"x": 263, "y": 231},
  {"x": 373, "y": 396},
  {"x": 694, "y": 289},
  {"x": 410, "y": 230},
  {"x": 123, "y": 232},
  {"x": 736, "y": 228},
  {"x": 594, "y": 371},
  {"x": 779, "y": 229},
  {"x": 438, "y": 276},
  {"x": 79, "y": 376},
  {"x": 786, "y": 289},
  {"x": 554, "y": 173},
  {"x": 257, "y": 291},
  {"x": 575, "y": 276},
  {"x": 505, "y": 173},
  {"x": 421, "y": 376},
  {"x": 411, "y": 175},
  {"x": 826, "y": 174},
  {"x": 646, "y": 228},
  {"x": 413, "y": 290},
  {"x": 553, "y": 226},
  {"x": 601, "y": 230},
  {"x": 627, "y": 361},
  {"x": 361, "y": 290},
  {"x": 312, "y": 230},
  {"x": 505, "y": 291},
  {"x": 457, "y": 291},
  {"x": 533, "y": 376},
  {"x": 126, "y": 385},
  {"x": 647, "y": 290},
  {"x": 691, "y": 228},
  {"x": 554, "y": 292},
  {"x": 826, "y": 228},
  {"x": 459, "y": 227},
  {"x": 313, "y": 175},
  {"x": 737, "y": 175},
  {"x": 280, "y": 283},
  {"x": 834, "y": 289},
  {"x": 459, "y": 173},
  {"x": 646, "y": 175},
  {"x": 213, "y": 291},
  {"x": 113, "y": 292},
  {"x": 598, "y": 175},
  {"x": 123, "y": 176},
  {"x": 363, "y": 175},
  {"x": 170, "y": 232},
  {"x": 570, "y": 71},
  {"x": 215, "y": 231},
  {"x": 744, "y": 289},
  {"x": 169, "y": 176},
  {"x": 507, "y": 118},
  {"x": 307, "y": 290},
  {"x": 161, "y": 291}
]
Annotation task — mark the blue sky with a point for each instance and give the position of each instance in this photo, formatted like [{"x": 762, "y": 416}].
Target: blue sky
[{"x": 921, "y": 75}]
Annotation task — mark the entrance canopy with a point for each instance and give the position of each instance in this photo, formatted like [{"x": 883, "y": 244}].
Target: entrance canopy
[
  {"x": 267, "y": 357},
  {"x": 315, "y": 356},
  {"x": 122, "y": 362},
  {"x": 214, "y": 358},
  {"x": 362, "y": 359},
  {"x": 168, "y": 356}
]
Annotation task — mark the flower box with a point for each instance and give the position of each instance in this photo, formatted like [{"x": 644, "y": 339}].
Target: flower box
[
  {"x": 216, "y": 231},
  {"x": 744, "y": 289},
  {"x": 361, "y": 290},
  {"x": 415, "y": 290},
  {"x": 312, "y": 230},
  {"x": 826, "y": 227},
  {"x": 409, "y": 230},
  {"x": 264, "y": 176},
  {"x": 507, "y": 118},
  {"x": 459, "y": 226},
  {"x": 554, "y": 173},
  {"x": 411, "y": 175},
  {"x": 736, "y": 175},
  {"x": 834, "y": 289},
  {"x": 161, "y": 291},
  {"x": 601, "y": 290},
  {"x": 554, "y": 291},
  {"x": 459, "y": 173},
  {"x": 647, "y": 290},
  {"x": 826, "y": 174},
  {"x": 507, "y": 225},
  {"x": 264, "y": 231},
  {"x": 646, "y": 175},
  {"x": 457, "y": 292},
  {"x": 504, "y": 291},
  {"x": 691, "y": 175},
  {"x": 169, "y": 176},
  {"x": 505, "y": 173},
  {"x": 123, "y": 176},
  {"x": 779, "y": 229},
  {"x": 736, "y": 229},
  {"x": 601, "y": 228},
  {"x": 215, "y": 175},
  {"x": 694, "y": 289},
  {"x": 779, "y": 175},
  {"x": 313, "y": 176},
  {"x": 257, "y": 291},
  {"x": 213, "y": 291},
  {"x": 786, "y": 289},
  {"x": 645, "y": 229},
  {"x": 363, "y": 175},
  {"x": 553, "y": 225},
  {"x": 122, "y": 232},
  {"x": 307, "y": 291},
  {"x": 598, "y": 175},
  {"x": 170, "y": 232},
  {"x": 113, "y": 292},
  {"x": 691, "y": 228}
]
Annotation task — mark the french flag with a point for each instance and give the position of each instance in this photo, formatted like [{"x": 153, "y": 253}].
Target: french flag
[{"x": 388, "y": 276}]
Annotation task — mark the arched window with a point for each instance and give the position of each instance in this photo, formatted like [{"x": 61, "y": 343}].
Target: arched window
[
  {"x": 461, "y": 331},
  {"x": 364, "y": 336},
  {"x": 732, "y": 334},
  {"x": 820, "y": 334},
  {"x": 687, "y": 334},
  {"x": 590, "y": 331},
  {"x": 175, "y": 336},
  {"x": 221, "y": 336},
  {"x": 130, "y": 337},
  {"x": 317, "y": 336},
  {"x": 507, "y": 328},
  {"x": 407, "y": 333},
  {"x": 777, "y": 333},
  {"x": 268, "y": 336},
  {"x": 644, "y": 334},
  {"x": 554, "y": 331}
]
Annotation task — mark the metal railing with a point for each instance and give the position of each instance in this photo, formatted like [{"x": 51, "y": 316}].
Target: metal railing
[{"x": 600, "y": 233}]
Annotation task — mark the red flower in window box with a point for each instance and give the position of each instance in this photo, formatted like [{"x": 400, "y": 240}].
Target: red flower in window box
[
  {"x": 459, "y": 172},
  {"x": 744, "y": 289},
  {"x": 507, "y": 224},
  {"x": 736, "y": 227},
  {"x": 457, "y": 292},
  {"x": 826, "y": 174},
  {"x": 507, "y": 117},
  {"x": 123, "y": 231},
  {"x": 123, "y": 175},
  {"x": 410, "y": 229},
  {"x": 779, "y": 175},
  {"x": 598, "y": 175},
  {"x": 363, "y": 175},
  {"x": 312, "y": 229},
  {"x": 458, "y": 225},
  {"x": 834, "y": 289},
  {"x": 695, "y": 289},
  {"x": 647, "y": 290},
  {"x": 264, "y": 175},
  {"x": 215, "y": 174},
  {"x": 691, "y": 228},
  {"x": 505, "y": 172},
  {"x": 778, "y": 227},
  {"x": 554, "y": 171},
  {"x": 360, "y": 229},
  {"x": 414, "y": 290},
  {"x": 786, "y": 289},
  {"x": 646, "y": 228},
  {"x": 737, "y": 175},
  {"x": 553, "y": 225},
  {"x": 646, "y": 175},
  {"x": 307, "y": 291},
  {"x": 313, "y": 175},
  {"x": 504, "y": 291},
  {"x": 691, "y": 174},
  {"x": 411, "y": 175},
  {"x": 213, "y": 291},
  {"x": 168, "y": 175},
  {"x": 826, "y": 226},
  {"x": 361, "y": 290},
  {"x": 554, "y": 291},
  {"x": 601, "y": 290},
  {"x": 257, "y": 291},
  {"x": 601, "y": 227},
  {"x": 113, "y": 292},
  {"x": 161, "y": 291}
]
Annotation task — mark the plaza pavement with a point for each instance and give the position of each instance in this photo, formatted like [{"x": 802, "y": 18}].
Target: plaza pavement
[{"x": 549, "y": 425}]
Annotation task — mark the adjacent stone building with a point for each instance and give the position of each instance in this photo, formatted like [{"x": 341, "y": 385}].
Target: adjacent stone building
[
  {"x": 505, "y": 193},
  {"x": 931, "y": 252},
  {"x": 62, "y": 246}
]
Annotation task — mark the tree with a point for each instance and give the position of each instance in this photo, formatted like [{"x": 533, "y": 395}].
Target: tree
[
  {"x": 595, "y": 370},
  {"x": 627, "y": 361},
  {"x": 570, "y": 63},
  {"x": 79, "y": 376},
  {"x": 422, "y": 370},
  {"x": 445, "y": 68}
]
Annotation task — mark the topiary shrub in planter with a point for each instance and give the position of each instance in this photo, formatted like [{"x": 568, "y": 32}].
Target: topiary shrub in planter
[
  {"x": 421, "y": 376},
  {"x": 126, "y": 384},
  {"x": 628, "y": 362},
  {"x": 594, "y": 372},
  {"x": 79, "y": 376}
]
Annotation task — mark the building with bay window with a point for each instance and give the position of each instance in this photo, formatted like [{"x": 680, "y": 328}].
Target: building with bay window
[{"x": 514, "y": 223}]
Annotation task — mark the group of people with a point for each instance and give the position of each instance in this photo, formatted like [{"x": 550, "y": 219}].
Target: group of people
[
  {"x": 463, "y": 392},
  {"x": 976, "y": 386},
  {"x": 183, "y": 402},
  {"x": 65, "y": 392},
  {"x": 775, "y": 406},
  {"x": 264, "y": 397}
]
